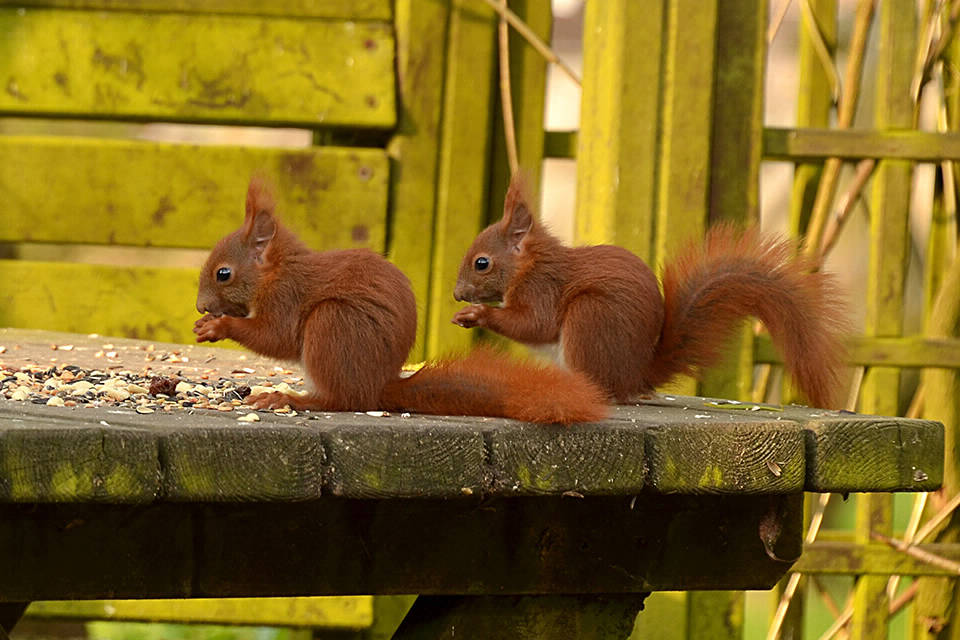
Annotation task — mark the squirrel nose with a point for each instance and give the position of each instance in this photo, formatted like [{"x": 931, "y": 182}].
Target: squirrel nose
[{"x": 461, "y": 291}]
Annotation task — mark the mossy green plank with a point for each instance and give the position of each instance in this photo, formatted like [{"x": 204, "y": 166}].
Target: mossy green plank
[
  {"x": 908, "y": 351},
  {"x": 528, "y": 84},
  {"x": 538, "y": 459},
  {"x": 617, "y": 149},
  {"x": 82, "y": 190},
  {"x": 814, "y": 105},
  {"x": 346, "y": 9},
  {"x": 463, "y": 166},
  {"x": 434, "y": 457},
  {"x": 192, "y": 67},
  {"x": 106, "y": 630},
  {"x": 421, "y": 25},
  {"x": 326, "y": 612},
  {"x": 715, "y": 453},
  {"x": 131, "y": 302},
  {"x": 736, "y": 152},
  {"x": 76, "y": 461},
  {"x": 870, "y": 453},
  {"x": 715, "y": 615},
  {"x": 687, "y": 121},
  {"x": 873, "y": 559},
  {"x": 259, "y": 463},
  {"x": 853, "y": 144},
  {"x": 560, "y": 144},
  {"x": 889, "y": 256}
]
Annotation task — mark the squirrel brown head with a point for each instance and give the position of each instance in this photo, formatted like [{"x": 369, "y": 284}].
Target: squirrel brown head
[
  {"x": 497, "y": 252},
  {"x": 229, "y": 278}
]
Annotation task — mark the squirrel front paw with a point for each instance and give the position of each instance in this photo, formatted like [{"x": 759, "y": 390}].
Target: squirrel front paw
[
  {"x": 210, "y": 328},
  {"x": 271, "y": 400},
  {"x": 473, "y": 316}
]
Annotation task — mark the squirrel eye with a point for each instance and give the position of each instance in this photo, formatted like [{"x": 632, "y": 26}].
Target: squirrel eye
[
  {"x": 223, "y": 274},
  {"x": 482, "y": 263}
]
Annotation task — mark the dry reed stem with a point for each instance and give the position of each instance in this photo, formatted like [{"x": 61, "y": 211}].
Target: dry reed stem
[
  {"x": 845, "y": 111},
  {"x": 524, "y": 30},
  {"x": 777, "y": 21},
  {"x": 846, "y": 202},
  {"x": 816, "y": 520},
  {"x": 839, "y": 623},
  {"x": 932, "y": 51},
  {"x": 821, "y": 49},
  {"x": 931, "y": 525},
  {"x": 506, "y": 93},
  {"x": 916, "y": 514}
]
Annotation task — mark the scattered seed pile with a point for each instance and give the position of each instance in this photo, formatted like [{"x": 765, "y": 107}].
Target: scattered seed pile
[{"x": 70, "y": 385}]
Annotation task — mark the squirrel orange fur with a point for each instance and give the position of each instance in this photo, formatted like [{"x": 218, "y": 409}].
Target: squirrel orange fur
[
  {"x": 603, "y": 306},
  {"x": 350, "y": 318}
]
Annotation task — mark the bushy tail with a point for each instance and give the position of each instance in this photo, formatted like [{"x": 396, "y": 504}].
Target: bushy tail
[
  {"x": 712, "y": 286},
  {"x": 486, "y": 383}
]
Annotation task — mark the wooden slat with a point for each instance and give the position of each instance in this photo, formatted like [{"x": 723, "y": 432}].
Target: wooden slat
[
  {"x": 197, "y": 68},
  {"x": 343, "y": 612},
  {"x": 136, "y": 302},
  {"x": 909, "y": 351},
  {"x": 528, "y": 82},
  {"x": 853, "y": 144},
  {"x": 81, "y": 190},
  {"x": 620, "y": 115},
  {"x": 889, "y": 257},
  {"x": 463, "y": 166},
  {"x": 414, "y": 149},
  {"x": 560, "y": 144},
  {"x": 346, "y": 9},
  {"x": 873, "y": 559}
]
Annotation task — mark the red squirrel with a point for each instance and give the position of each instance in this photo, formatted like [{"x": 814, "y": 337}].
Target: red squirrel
[
  {"x": 350, "y": 318},
  {"x": 603, "y": 306}
]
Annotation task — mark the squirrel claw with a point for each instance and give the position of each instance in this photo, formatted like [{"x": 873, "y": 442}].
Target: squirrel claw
[{"x": 472, "y": 316}]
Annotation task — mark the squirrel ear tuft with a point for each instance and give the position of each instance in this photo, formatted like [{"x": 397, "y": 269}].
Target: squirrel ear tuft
[
  {"x": 259, "y": 224},
  {"x": 517, "y": 216}
]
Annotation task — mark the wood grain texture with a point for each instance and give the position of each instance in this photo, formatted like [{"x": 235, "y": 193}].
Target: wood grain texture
[
  {"x": 682, "y": 445},
  {"x": 896, "y": 456},
  {"x": 618, "y": 151},
  {"x": 403, "y": 457},
  {"x": 133, "y": 302},
  {"x": 83, "y": 190},
  {"x": 906, "y": 351},
  {"x": 531, "y": 460},
  {"x": 351, "y": 9},
  {"x": 69, "y": 462},
  {"x": 329, "y": 612},
  {"x": 262, "y": 463},
  {"x": 197, "y": 67}
]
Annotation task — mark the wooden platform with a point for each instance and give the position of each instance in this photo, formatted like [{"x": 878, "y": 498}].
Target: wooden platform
[{"x": 680, "y": 493}]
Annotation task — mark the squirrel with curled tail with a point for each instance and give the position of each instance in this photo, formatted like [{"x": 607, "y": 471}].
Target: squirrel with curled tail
[
  {"x": 350, "y": 318},
  {"x": 602, "y": 304}
]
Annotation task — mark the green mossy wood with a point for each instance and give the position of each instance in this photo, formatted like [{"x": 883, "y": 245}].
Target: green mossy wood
[
  {"x": 684, "y": 445},
  {"x": 352, "y": 9},
  {"x": 196, "y": 67}
]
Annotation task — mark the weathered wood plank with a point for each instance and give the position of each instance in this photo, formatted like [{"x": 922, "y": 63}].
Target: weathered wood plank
[
  {"x": 75, "y": 190},
  {"x": 432, "y": 456},
  {"x": 134, "y": 302},
  {"x": 873, "y": 559},
  {"x": 230, "y": 463},
  {"x": 100, "y": 464},
  {"x": 560, "y": 144},
  {"x": 842, "y": 451},
  {"x": 521, "y": 617},
  {"x": 337, "y": 546},
  {"x": 197, "y": 68},
  {"x": 725, "y": 454},
  {"x": 463, "y": 165},
  {"x": 344, "y": 612},
  {"x": 854, "y": 144},
  {"x": 620, "y": 115},
  {"x": 530, "y": 460},
  {"x": 346, "y": 9},
  {"x": 414, "y": 149},
  {"x": 907, "y": 351}
]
